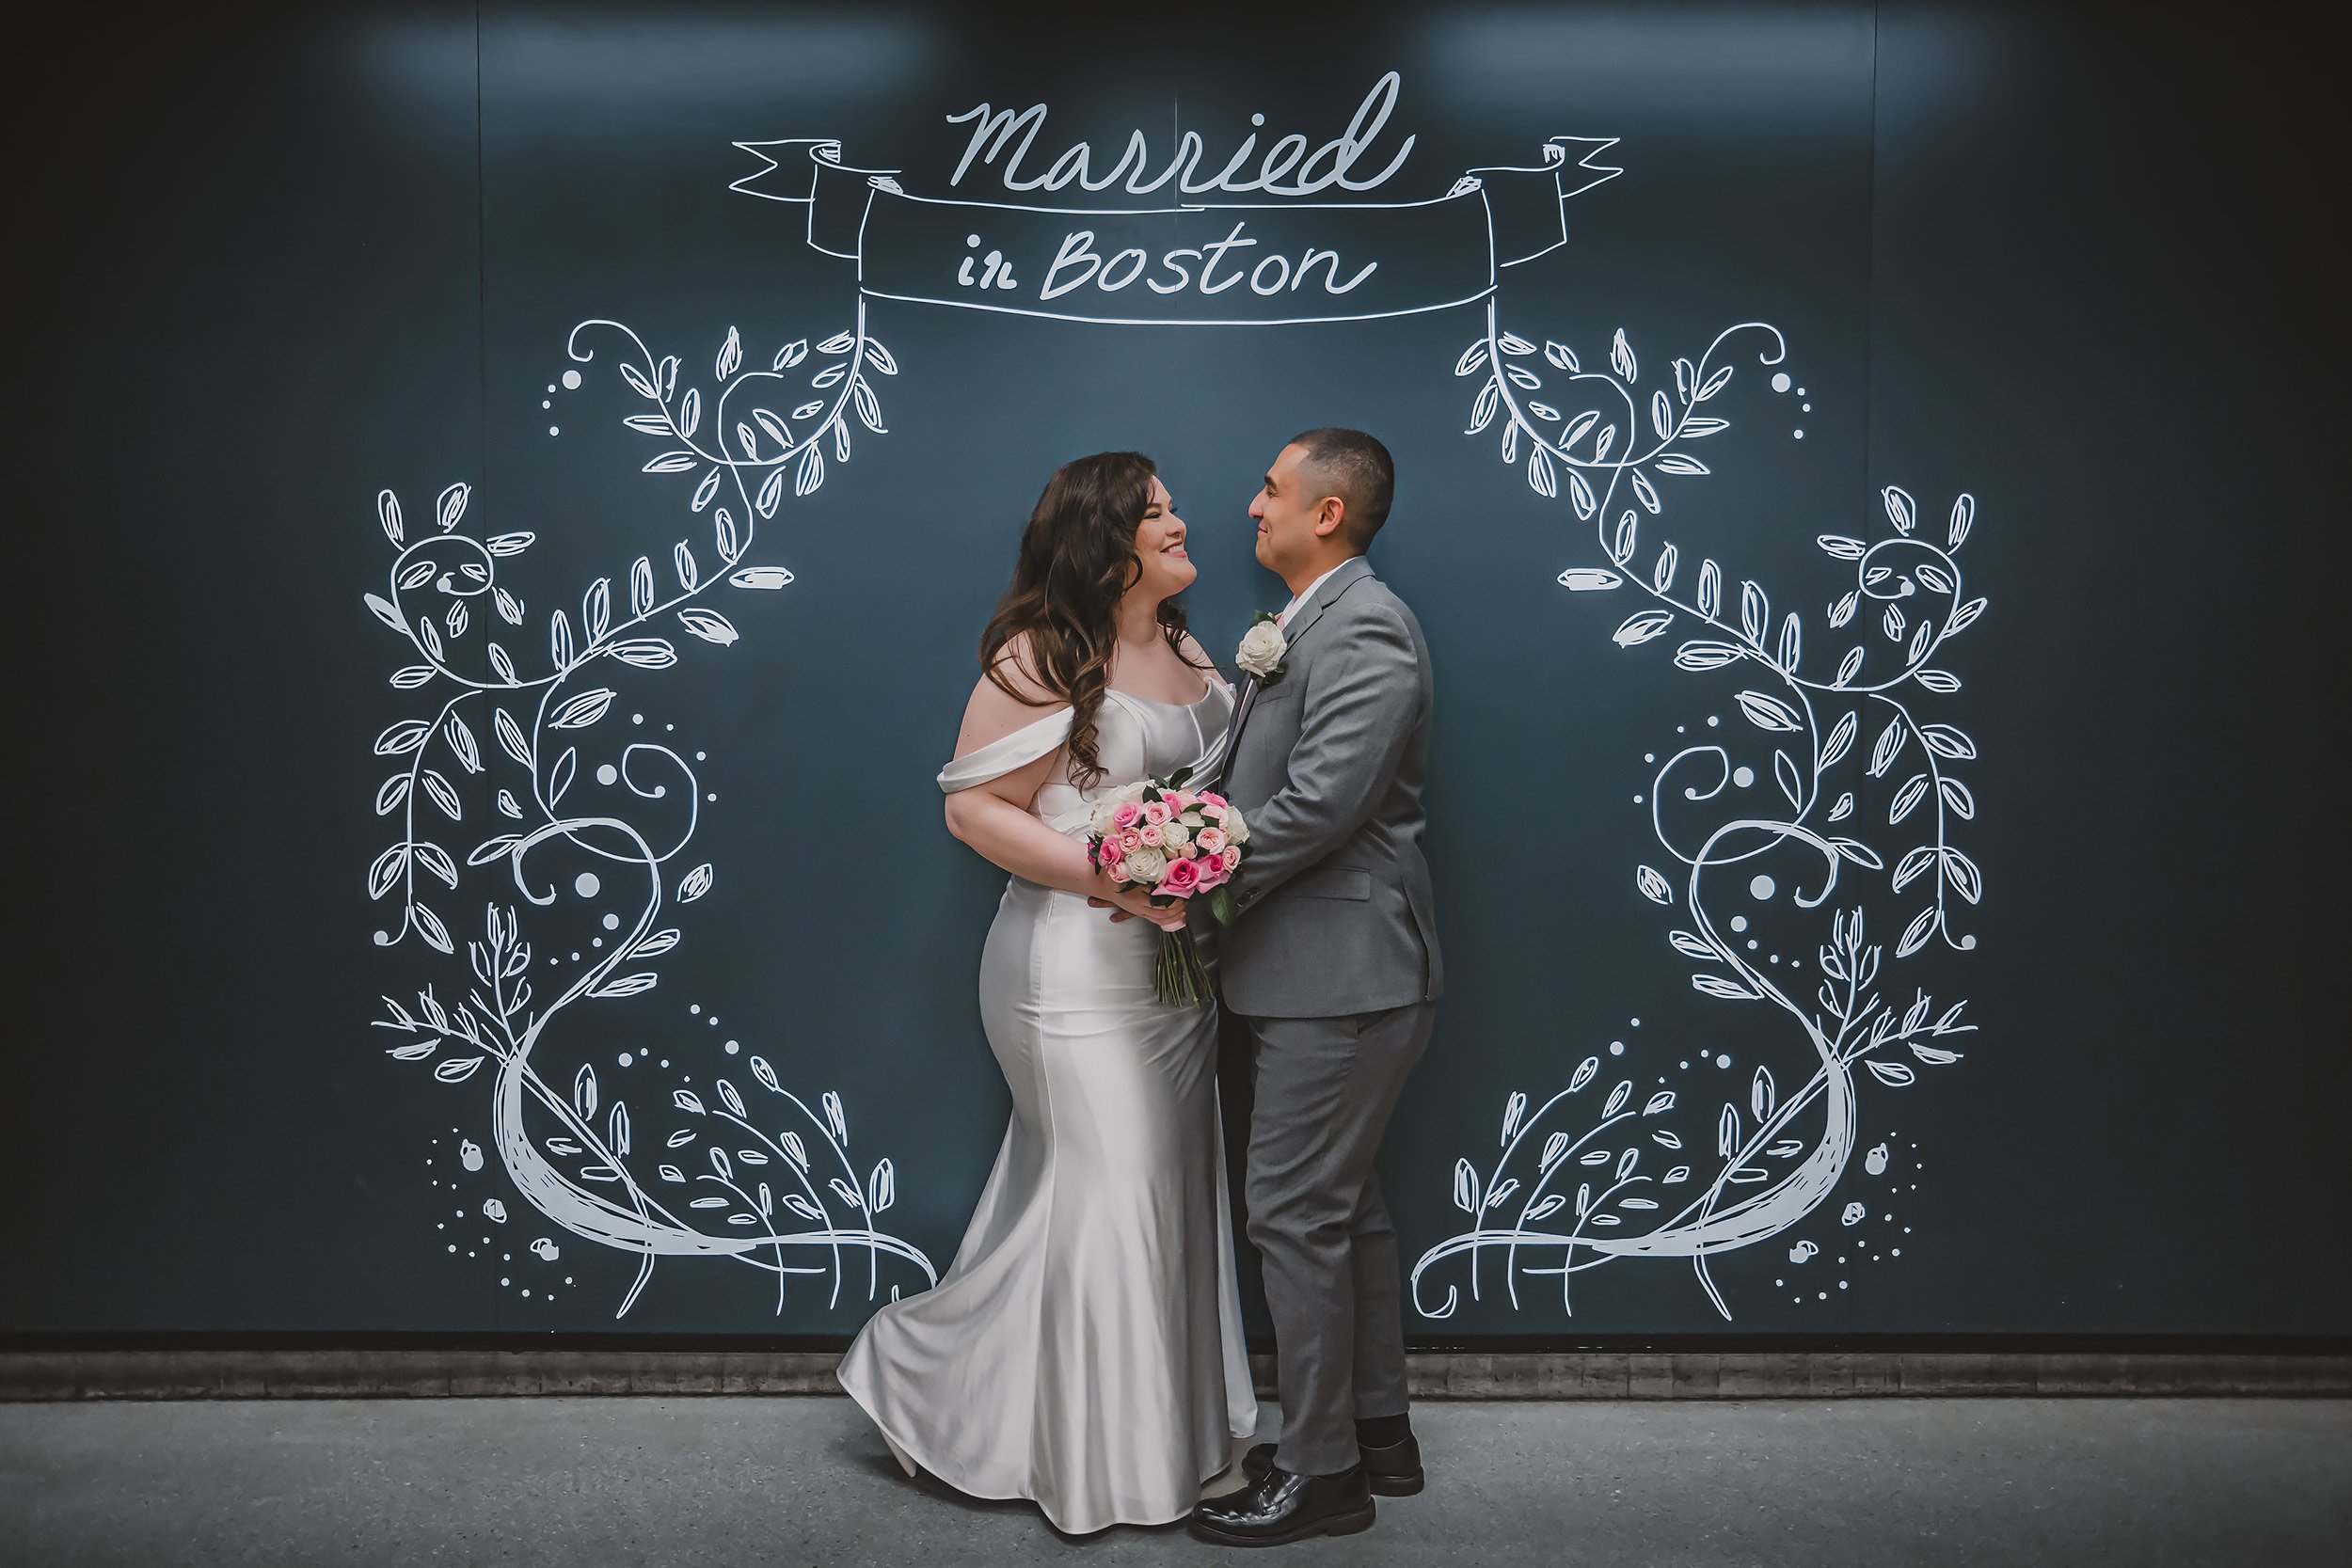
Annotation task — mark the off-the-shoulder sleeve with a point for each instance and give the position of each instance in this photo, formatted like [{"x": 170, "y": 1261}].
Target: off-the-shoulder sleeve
[{"x": 999, "y": 757}]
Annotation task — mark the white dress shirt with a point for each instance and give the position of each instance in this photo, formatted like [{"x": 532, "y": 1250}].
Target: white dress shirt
[{"x": 1304, "y": 594}]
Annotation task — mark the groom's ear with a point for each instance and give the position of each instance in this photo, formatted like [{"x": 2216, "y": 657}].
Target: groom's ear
[{"x": 1330, "y": 517}]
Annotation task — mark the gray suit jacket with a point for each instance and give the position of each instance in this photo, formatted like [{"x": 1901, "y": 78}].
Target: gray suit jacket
[{"x": 1336, "y": 911}]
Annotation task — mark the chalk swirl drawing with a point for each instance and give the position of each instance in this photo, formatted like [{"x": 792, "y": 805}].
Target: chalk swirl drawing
[
  {"x": 1765, "y": 1178},
  {"x": 579, "y": 1166}
]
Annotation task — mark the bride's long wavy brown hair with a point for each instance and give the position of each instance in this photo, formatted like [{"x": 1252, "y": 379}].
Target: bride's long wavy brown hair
[{"x": 1077, "y": 560}]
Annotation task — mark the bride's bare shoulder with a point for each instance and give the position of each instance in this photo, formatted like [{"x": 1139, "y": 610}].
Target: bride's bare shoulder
[
  {"x": 995, "y": 712},
  {"x": 1199, "y": 659}
]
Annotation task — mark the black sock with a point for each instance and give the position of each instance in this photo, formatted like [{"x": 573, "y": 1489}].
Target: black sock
[{"x": 1384, "y": 1431}]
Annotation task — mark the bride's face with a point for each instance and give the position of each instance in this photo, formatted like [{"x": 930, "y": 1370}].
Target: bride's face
[{"x": 1160, "y": 550}]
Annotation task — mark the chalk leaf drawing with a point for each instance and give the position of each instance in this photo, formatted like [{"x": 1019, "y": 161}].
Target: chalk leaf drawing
[
  {"x": 1599, "y": 1171},
  {"x": 773, "y": 1181}
]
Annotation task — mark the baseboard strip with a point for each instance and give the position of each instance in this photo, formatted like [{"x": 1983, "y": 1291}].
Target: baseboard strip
[{"x": 244, "y": 1374}]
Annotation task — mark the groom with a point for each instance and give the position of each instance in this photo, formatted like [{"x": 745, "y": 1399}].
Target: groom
[{"x": 1332, "y": 966}]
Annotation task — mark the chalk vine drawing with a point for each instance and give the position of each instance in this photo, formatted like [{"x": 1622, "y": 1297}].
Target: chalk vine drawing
[
  {"x": 1907, "y": 594},
  {"x": 579, "y": 1165}
]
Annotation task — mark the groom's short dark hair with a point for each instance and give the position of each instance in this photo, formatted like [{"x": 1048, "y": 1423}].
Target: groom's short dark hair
[{"x": 1360, "y": 471}]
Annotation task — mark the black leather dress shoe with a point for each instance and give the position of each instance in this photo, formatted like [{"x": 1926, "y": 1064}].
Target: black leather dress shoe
[
  {"x": 1393, "y": 1471},
  {"x": 1282, "y": 1507}
]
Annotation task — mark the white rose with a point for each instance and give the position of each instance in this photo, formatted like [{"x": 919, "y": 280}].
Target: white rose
[
  {"x": 1145, "y": 865},
  {"x": 1236, "y": 830},
  {"x": 1261, "y": 649},
  {"x": 1175, "y": 835}
]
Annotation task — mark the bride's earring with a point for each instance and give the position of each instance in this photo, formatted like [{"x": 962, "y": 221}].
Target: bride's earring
[{"x": 900, "y": 1455}]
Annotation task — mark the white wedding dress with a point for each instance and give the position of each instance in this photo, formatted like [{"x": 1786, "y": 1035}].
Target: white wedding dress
[{"x": 1085, "y": 1348}]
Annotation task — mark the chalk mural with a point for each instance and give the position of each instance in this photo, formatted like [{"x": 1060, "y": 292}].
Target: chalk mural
[
  {"x": 773, "y": 1182},
  {"x": 1578, "y": 1182},
  {"x": 1582, "y": 1179}
]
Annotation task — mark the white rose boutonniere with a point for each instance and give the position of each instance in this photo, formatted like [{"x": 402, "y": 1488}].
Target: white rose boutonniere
[{"x": 1262, "y": 648}]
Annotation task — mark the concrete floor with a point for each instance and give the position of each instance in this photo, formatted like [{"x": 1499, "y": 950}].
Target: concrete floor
[{"x": 587, "y": 1482}]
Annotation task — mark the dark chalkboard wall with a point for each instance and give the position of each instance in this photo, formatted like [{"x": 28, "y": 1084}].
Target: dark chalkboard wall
[{"x": 2005, "y": 322}]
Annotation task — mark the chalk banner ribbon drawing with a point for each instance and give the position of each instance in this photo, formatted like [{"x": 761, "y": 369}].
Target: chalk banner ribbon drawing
[{"x": 1196, "y": 264}]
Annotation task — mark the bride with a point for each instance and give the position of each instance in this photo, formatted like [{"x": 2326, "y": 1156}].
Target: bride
[{"x": 1085, "y": 1348}]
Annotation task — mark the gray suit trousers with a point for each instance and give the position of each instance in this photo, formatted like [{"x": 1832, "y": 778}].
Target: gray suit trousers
[{"x": 1325, "y": 1087}]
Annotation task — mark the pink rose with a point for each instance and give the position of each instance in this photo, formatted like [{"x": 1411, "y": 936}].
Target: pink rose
[
  {"x": 1127, "y": 816},
  {"x": 1150, "y": 835},
  {"x": 1156, "y": 813},
  {"x": 1212, "y": 841},
  {"x": 1107, "y": 852},
  {"x": 1130, "y": 841},
  {"x": 1117, "y": 870},
  {"x": 1213, "y": 872},
  {"x": 1212, "y": 802},
  {"x": 1230, "y": 856},
  {"x": 1182, "y": 879}
]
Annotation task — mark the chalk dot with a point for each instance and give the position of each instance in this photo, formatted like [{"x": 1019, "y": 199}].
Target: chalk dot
[
  {"x": 1751, "y": 945},
  {"x": 571, "y": 380},
  {"x": 1743, "y": 777},
  {"x": 505, "y": 1281},
  {"x": 1798, "y": 433},
  {"x": 702, "y": 756},
  {"x": 553, "y": 430},
  {"x": 1841, "y": 1284},
  {"x": 550, "y": 386},
  {"x": 1257, "y": 120},
  {"x": 612, "y": 922},
  {"x": 1761, "y": 887},
  {"x": 1780, "y": 382},
  {"x": 545, "y": 402},
  {"x": 636, "y": 718},
  {"x": 1686, "y": 1066},
  {"x": 526, "y": 1291},
  {"x": 453, "y": 1247},
  {"x": 607, "y": 774},
  {"x": 1712, "y": 720},
  {"x": 734, "y": 1046},
  {"x": 971, "y": 239},
  {"x": 1801, "y": 391},
  {"x": 1966, "y": 943},
  {"x": 1739, "y": 922},
  {"x": 586, "y": 884},
  {"x": 1893, "y": 1252},
  {"x": 711, "y": 797},
  {"x": 713, "y": 1020},
  {"x": 575, "y": 957},
  {"x": 669, "y": 726},
  {"x": 1637, "y": 799},
  {"x": 1723, "y": 1061},
  {"x": 694, "y": 1008},
  {"x": 1617, "y": 1048},
  {"x": 1808, "y": 409},
  {"x": 626, "y": 1057}
]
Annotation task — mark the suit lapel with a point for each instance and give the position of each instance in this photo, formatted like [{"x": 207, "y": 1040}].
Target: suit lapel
[
  {"x": 1339, "y": 582},
  {"x": 1232, "y": 732}
]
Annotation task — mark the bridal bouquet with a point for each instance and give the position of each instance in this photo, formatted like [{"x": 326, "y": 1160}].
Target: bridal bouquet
[{"x": 1177, "y": 843}]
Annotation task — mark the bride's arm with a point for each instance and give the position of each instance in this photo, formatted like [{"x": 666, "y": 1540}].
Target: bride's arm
[{"x": 993, "y": 817}]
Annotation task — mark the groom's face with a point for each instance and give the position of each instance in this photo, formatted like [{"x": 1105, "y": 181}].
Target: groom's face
[{"x": 1287, "y": 511}]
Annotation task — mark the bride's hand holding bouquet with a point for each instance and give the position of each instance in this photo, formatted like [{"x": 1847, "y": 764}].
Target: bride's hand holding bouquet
[{"x": 1171, "y": 845}]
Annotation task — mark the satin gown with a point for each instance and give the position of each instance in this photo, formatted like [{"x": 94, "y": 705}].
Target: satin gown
[{"x": 1085, "y": 1348}]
